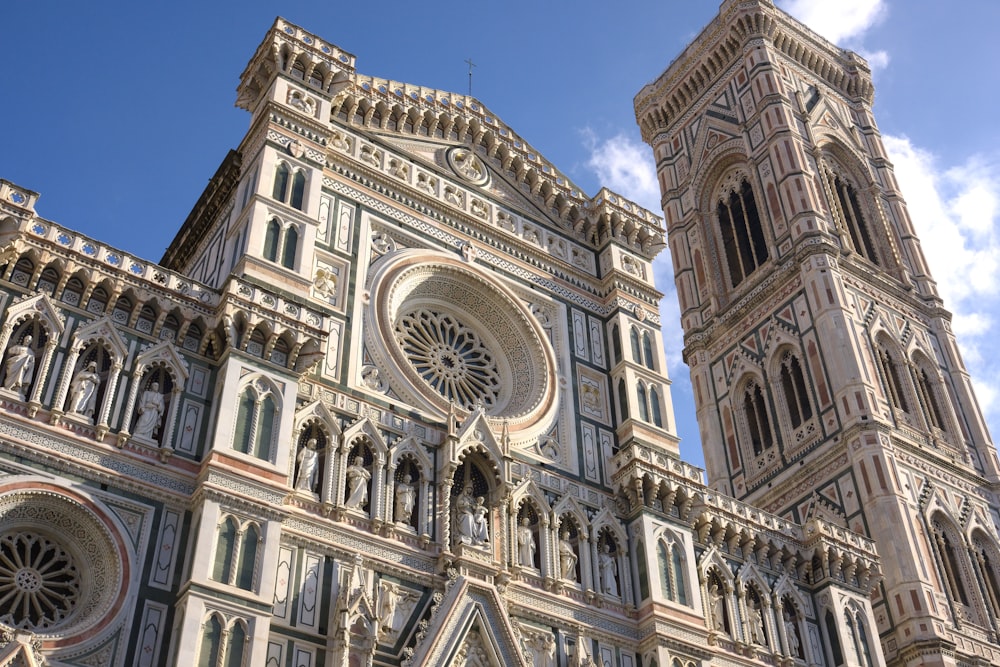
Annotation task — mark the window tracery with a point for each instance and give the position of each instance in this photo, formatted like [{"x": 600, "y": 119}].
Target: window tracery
[
  {"x": 450, "y": 357},
  {"x": 743, "y": 241}
]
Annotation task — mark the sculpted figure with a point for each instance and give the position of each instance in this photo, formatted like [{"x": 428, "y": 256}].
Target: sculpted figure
[
  {"x": 567, "y": 556},
  {"x": 471, "y": 515},
  {"x": 83, "y": 391},
  {"x": 756, "y": 623},
  {"x": 150, "y": 410},
  {"x": 406, "y": 497},
  {"x": 308, "y": 458},
  {"x": 717, "y": 601},
  {"x": 792, "y": 632},
  {"x": 608, "y": 571},
  {"x": 20, "y": 367},
  {"x": 464, "y": 515},
  {"x": 526, "y": 543},
  {"x": 357, "y": 483}
]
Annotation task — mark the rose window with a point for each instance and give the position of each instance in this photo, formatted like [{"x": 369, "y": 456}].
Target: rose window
[
  {"x": 448, "y": 335},
  {"x": 450, "y": 357},
  {"x": 39, "y": 582}
]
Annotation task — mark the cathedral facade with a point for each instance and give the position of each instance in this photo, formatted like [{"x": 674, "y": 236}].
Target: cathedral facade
[{"x": 395, "y": 394}]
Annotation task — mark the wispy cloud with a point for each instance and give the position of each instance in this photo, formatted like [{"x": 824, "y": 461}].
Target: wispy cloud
[
  {"x": 843, "y": 22},
  {"x": 956, "y": 214},
  {"x": 625, "y": 165}
]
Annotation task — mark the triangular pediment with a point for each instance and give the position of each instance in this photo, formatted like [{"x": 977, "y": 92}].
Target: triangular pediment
[
  {"x": 39, "y": 306},
  {"x": 19, "y": 653},
  {"x": 497, "y": 188},
  {"x": 470, "y": 622}
]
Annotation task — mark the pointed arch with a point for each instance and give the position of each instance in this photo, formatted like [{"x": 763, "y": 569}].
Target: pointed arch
[{"x": 257, "y": 418}]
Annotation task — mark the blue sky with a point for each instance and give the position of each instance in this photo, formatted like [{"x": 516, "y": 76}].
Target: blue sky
[{"x": 119, "y": 112}]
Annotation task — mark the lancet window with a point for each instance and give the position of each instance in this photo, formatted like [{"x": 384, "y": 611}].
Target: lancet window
[
  {"x": 236, "y": 553},
  {"x": 758, "y": 424},
  {"x": 281, "y": 244},
  {"x": 927, "y": 397},
  {"x": 289, "y": 185},
  {"x": 742, "y": 234},
  {"x": 847, "y": 209},
  {"x": 891, "y": 377},
  {"x": 256, "y": 421},
  {"x": 793, "y": 385}
]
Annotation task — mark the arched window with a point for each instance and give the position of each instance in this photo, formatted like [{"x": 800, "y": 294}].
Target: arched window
[
  {"x": 848, "y": 211},
  {"x": 225, "y": 548},
  {"x": 647, "y": 351},
  {"x": 247, "y": 562},
  {"x": 950, "y": 563},
  {"x": 831, "y": 634},
  {"x": 636, "y": 345},
  {"x": 671, "y": 563},
  {"x": 890, "y": 375},
  {"x": 289, "y": 185},
  {"x": 793, "y": 385},
  {"x": 622, "y": 401},
  {"x": 859, "y": 638},
  {"x": 742, "y": 234},
  {"x": 271, "y": 237},
  {"x": 927, "y": 398},
  {"x": 640, "y": 397},
  {"x": 281, "y": 176},
  {"x": 298, "y": 189},
  {"x": 984, "y": 555},
  {"x": 654, "y": 407},
  {"x": 616, "y": 343},
  {"x": 211, "y": 643},
  {"x": 758, "y": 425},
  {"x": 289, "y": 248},
  {"x": 236, "y": 645},
  {"x": 281, "y": 244},
  {"x": 255, "y": 422}
]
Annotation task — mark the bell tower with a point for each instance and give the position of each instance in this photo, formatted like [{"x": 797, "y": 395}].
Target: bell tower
[{"x": 826, "y": 376}]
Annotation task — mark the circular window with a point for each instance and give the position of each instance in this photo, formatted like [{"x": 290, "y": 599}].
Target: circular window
[
  {"x": 450, "y": 357},
  {"x": 61, "y": 571},
  {"x": 448, "y": 334},
  {"x": 39, "y": 581}
]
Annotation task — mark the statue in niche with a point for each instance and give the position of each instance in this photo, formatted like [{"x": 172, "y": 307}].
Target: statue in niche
[
  {"x": 756, "y": 621},
  {"x": 357, "y": 483},
  {"x": 83, "y": 391},
  {"x": 308, "y": 459},
  {"x": 526, "y": 543},
  {"x": 567, "y": 556},
  {"x": 388, "y": 597},
  {"x": 609, "y": 571},
  {"x": 792, "y": 632},
  {"x": 20, "y": 367},
  {"x": 151, "y": 408},
  {"x": 473, "y": 526},
  {"x": 406, "y": 498},
  {"x": 717, "y": 603}
]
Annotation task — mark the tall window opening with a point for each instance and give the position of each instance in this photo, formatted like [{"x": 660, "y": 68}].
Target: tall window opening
[
  {"x": 743, "y": 239},
  {"x": 758, "y": 425},
  {"x": 848, "y": 209},
  {"x": 890, "y": 373},
  {"x": 793, "y": 385}
]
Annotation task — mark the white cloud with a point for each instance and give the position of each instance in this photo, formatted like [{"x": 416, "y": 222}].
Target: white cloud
[
  {"x": 955, "y": 214},
  {"x": 625, "y": 165},
  {"x": 841, "y": 22}
]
